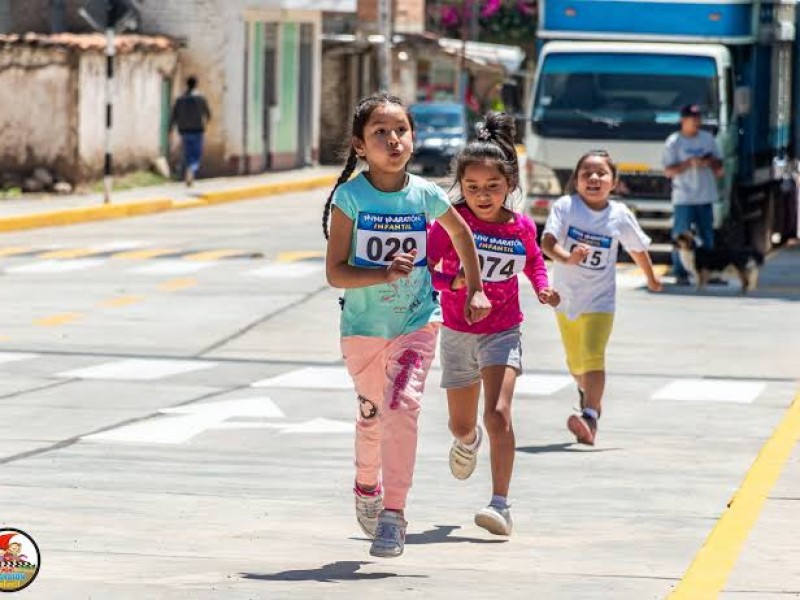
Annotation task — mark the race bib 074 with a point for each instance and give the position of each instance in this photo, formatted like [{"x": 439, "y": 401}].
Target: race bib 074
[
  {"x": 500, "y": 258},
  {"x": 380, "y": 237},
  {"x": 599, "y": 245}
]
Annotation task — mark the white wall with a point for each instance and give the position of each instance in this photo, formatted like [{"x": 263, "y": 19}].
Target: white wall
[
  {"x": 136, "y": 134},
  {"x": 36, "y": 109}
]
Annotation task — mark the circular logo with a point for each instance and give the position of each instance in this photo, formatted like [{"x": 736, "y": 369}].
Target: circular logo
[{"x": 19, "y": 560}]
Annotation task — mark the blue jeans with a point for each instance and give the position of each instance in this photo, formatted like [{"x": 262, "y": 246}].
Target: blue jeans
[
  {"x": 686, "y": 215},
  {"x": 192, "y": 150}
]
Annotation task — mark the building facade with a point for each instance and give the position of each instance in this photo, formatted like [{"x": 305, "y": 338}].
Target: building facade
[{"x": 259, "y": 66}]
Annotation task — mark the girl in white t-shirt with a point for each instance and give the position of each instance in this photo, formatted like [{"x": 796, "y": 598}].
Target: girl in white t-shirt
[{"x": 582, "y": 236}]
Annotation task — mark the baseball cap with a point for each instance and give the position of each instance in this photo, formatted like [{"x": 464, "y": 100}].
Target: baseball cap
[{"x": 691, "y": 110}]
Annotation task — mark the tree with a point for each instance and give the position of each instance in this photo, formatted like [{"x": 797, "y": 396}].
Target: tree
[{"x": 498, "y": 21}]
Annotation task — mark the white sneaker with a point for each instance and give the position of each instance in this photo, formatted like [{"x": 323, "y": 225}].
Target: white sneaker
[
  {"x": 462, "y": 459},
  {"x": 368, "y": 507},
  {"x": 390, "y": 536},
  {"x": 494, "y": 520}
]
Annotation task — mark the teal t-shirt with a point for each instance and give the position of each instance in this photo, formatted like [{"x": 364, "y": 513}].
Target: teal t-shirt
[{"x": 385, "y": 223}]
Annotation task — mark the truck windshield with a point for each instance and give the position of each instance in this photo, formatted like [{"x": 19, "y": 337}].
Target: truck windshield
[{"x": 627, "y": 96}]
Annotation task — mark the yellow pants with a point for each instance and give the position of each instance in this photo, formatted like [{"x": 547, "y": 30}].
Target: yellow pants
[{"x": 585, "y": 340}]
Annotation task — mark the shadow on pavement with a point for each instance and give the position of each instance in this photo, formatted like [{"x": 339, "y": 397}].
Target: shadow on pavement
[
  {"x": 441, "y": 535},
  {"x": 344, "y": 570},
  {"x": 563, "y": 447}
]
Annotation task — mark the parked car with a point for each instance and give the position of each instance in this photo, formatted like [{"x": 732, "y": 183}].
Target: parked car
[{"x": 441, "y": 132}]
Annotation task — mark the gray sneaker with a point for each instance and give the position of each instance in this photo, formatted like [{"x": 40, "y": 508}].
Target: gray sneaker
[
  {"x": 390, "y": 536},
  {"x": 462, "y": 459},
  {"x": 368, "y": 507},
  {"x": 494, "y": 520}
]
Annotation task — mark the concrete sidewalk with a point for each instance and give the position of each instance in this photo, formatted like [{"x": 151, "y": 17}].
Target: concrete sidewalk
[{"x": 48, "y": 211}]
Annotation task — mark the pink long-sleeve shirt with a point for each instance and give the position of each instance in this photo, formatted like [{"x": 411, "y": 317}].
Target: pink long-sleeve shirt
[{"x": 504, "y": 250}]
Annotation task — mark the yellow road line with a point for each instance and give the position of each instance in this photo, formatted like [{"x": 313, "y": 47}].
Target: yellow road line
[
  {"x": 299, "y": 255},
  {"x": 122, "y": 301},
  {"x": 174, "y": 285},
  {"x": 143, "y": 254},
  {"x": 713, "y": 564},
  {"x": 56, "y": 320},
  {"x": 67, "y": 253},
  {"x": 213, "y": 255},
  {"x": 12, "y": 250}
]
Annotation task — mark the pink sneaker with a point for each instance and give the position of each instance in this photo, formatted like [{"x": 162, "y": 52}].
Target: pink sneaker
[{"x": 584, "y": 428}]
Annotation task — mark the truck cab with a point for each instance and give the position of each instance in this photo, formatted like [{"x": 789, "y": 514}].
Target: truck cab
[{"x": 614, "y": 75}]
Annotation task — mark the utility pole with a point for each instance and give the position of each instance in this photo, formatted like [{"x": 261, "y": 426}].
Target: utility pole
[
  {"x": 385, "y": 52},
  {"x": 108, "y": 160},
  {"x": 109, "y": 16}
]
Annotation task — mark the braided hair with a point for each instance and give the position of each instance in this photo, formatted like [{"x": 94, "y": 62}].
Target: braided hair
[
  {"x": 361, "y": 115},
  {"x": 494, "y": 144}
]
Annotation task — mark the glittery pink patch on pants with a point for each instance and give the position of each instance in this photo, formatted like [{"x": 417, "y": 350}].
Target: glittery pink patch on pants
[{"x": 389, "y": 377}]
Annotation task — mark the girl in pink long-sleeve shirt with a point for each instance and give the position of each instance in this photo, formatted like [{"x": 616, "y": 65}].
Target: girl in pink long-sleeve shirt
[{"x": 486, "y": 353}]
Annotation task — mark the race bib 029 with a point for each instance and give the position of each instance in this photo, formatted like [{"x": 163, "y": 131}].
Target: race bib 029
[
  {"x": 380, "y": 237},
  {"x": 599, "y": 245},
  {"x": 500, "y": 258}
]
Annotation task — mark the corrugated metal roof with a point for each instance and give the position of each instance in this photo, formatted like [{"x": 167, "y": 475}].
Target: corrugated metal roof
[{"x": 90, "y": 41}]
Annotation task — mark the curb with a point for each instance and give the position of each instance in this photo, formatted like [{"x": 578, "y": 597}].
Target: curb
[{"x": 73, "y": 216}]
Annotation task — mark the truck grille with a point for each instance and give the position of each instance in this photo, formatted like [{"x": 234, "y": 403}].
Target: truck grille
[{"x": 655, "y": 187}]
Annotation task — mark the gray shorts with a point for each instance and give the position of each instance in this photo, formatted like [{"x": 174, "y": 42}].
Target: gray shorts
[{"x": 465, "y": 354}]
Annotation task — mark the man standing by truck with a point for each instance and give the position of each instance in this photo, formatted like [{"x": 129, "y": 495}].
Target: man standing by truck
[{"x": 693, "y": 161}]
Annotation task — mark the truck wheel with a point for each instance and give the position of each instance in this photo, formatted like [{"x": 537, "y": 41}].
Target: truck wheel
[{"x": 760, "y": 229}]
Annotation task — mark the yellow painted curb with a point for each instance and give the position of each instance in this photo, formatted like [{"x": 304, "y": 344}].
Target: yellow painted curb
[
  {"x": 713, "y": 564},
  {"x": 71, "y": 216},
  {"x": 268, "y": 189}
]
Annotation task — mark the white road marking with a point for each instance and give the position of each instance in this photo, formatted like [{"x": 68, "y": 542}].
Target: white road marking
[
  {"x": 541, "y": 385},
  {"x": 312, "y": 378},
  {"x": 137, "y": 369},
  {"x": 293, "y": 270},
  {"x": 118, "y": 246},
  {"x": 711, "y": 390},
  {"x": 57, "y": 266},
  {"x": 260, "y": 406},
  {"x": 161, "y": 430},
  {"x": 172, "y": 267},
  {"x": 6, "y": 357},
  {"x": 181, "y": 423}
]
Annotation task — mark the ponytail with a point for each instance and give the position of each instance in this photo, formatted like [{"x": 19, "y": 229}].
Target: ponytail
[
  {"x": 349, "y": 167},
  {"x": 494, "y": 143}
]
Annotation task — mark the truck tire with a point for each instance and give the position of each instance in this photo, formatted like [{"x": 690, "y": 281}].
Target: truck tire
[{"x": 760, "y": 229}]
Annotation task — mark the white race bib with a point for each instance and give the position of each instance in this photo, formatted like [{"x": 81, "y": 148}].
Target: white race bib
[
  {"x": 599, "y": 245},
  {"x": 500, "y": 258},
  {"x": 380, "y": 237}
]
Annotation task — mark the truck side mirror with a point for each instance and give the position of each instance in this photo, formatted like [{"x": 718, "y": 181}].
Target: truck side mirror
[{"x": 742, "y": 101}]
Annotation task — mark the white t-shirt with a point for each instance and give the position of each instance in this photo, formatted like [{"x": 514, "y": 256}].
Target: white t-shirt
[{"x": 590, "y": 286}]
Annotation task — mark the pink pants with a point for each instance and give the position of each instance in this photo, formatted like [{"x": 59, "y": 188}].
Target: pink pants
[{"x": 389, "y": 377}]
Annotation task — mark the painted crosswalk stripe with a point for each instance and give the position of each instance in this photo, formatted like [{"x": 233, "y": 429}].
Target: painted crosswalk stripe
[
  {"x": 257, "y": 407},
  {"x": 289, "y": 270},
  {"x": 207, "y": 255},
  {"x": 171, "y": 267},
  {"x": 56, "y": 266},
  {"x": 162, "y": 430},
  {"x": 315, "y": 378},
  {"x": 138, "y": 369},
  {"x": 541, "y": 385},
  {"x": 144, "y": 254},
  {"x": 175, "y": 285},
  {"x": 7, "y": 357},
  {"x": 14, "y": 250},
  {"x": 711, "y": 390}
]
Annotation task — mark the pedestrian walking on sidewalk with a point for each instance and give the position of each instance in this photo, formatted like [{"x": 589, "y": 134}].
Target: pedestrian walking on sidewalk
[
  {"x": 488, "y": 353},
  {"x": 582, "y": 235},
  {"x": 377, "y": 253},
  {"x": 190, "y": 114}
]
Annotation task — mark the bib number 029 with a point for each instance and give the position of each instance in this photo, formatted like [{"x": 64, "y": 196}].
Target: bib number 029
[{"x": 385, "y": 249}]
